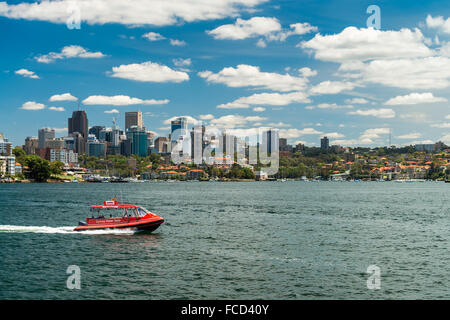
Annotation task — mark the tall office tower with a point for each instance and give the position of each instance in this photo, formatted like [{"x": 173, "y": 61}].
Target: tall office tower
[
  {"x": 31, "y": 144},
  {"x": 270, "y": 141},
  {"x": 324, "y": 143},
  {"x": 44, "y": 135},
  {"x": 178, "y": 129},
  {"x": 79, "y": 123},
  {"x": 139, "y": 141},
  {"x": 197, "y": 143},
  {"x": 133, "y": 119},
  {"x": 161, "y": 144}
]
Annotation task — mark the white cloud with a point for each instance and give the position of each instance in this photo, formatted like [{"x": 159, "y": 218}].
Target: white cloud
[
  {"x": 259, "y": 109},
  {"x": 419, "y": 74},
  {"x": 267, "y": 27},
  {"x": 120, "y": 100},
  {"x": 26, "y": 73},
  {"x": 243, "y": 29},
  {"x": 180, "y": 62},
  {"x": 438, "y": 23},
  {"x": 178, "y": 43},
  {"x": 112, "y": 111},
  {"x": 353, "y": 44},
  {"x": 332, "y": 87},
  {"x": 278, "y": 124},
  {"x": 272, "y": 99},
  {"x": 356, "y": 101},
  {"x": 31, "y": 105},
  {"x": 295, "y": 133},
  {"x": 59, "y": 109},
  {"x": 153, "y": 36},
  {"x": 232, "y": 121},
  {"x": 206, "y": 117},
  {"x": 444, "y": 125},
  {"x": 307, "y": 72},
  {"x": 148, "y": 72},
  {"x": 334, "y": 135},
  {"x": 251, "y": 76},
  {"x": 414, "y": 135},
  {"x": 137, "y": 12},
  {"x": 414, "y": 98},
  {"x": 67, "y": 52},
  {"x": 378, "y": 113},
  {"x": 63, "y": 97},
  {"x": 59, "y": 130}
]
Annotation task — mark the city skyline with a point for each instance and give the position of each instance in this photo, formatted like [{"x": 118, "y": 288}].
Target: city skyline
[{"x": 262, "y": 64}]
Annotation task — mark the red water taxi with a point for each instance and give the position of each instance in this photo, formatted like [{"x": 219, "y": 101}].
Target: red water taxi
[{"x": 130, "y": 216}]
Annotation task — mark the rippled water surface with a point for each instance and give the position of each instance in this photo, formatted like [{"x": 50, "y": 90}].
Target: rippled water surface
[{"x": 243, "y": 240}]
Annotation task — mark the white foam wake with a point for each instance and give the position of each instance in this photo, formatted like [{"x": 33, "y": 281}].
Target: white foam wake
[{"x": 61, "y": 230}]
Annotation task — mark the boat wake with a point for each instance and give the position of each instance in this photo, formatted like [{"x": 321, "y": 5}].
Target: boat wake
[{"x": 61, "y": 230}]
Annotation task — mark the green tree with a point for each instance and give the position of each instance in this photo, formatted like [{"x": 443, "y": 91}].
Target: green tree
[
  {"x": 19, "y": 153},
  {"x": 38, "y": 168},
  {"x": 56, "y": 167}
]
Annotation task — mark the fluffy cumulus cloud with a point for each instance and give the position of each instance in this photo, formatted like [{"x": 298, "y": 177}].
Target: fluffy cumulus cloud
[
  {"x": 243, "y": 29},
  {"x": 272, "y": 99},
  {"x": 189, "y": 119},
  {"x": 67, "y": 52},
  {"x": 112, "y": 111},
  {"x": 369, "y": 136},
  {"x": 120, "y": 100},
  {"x": 63, "y": 97},
  {"x": 136, "y": 12},
  {"x": 31, "y": 105},
  {"x": 438, "y": 23},
  {"x": 378, "y": 113},
  {"x": 148, "y": 72},
  {"x": 295, "y": 133},
  {"x": 59, "y": 109},
  {"x": 153, "y": 36},
  {"x": 353, "y": 44},
  {"x": 413, "y": 135},
  {"x": 332, "y": 87},
  {"x": 26, "y": 73},
  {"x": 251, "y": 76},
  {"x": 414, "y": 98},
  {"x": 233, "y": 121}
]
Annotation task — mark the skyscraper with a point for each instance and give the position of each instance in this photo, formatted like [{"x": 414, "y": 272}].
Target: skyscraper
[
  {"x": 79, "y": 123},
  {"x": 45, "y": 134},
  {"x": 324, "y": 143},
  {"x": 133, "y": 119},
  {"x": 178, "y": 129},
  {"x": 139, "y": 141},
  {"x": 270, "y": 141}
]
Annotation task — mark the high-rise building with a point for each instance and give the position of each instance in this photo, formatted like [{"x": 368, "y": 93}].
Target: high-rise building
[
  {"x": 324, "y": 143},
  {"x": 5, "y": 146},
  {"x": 44, "y": 135},
  {"x": 95, "y": 147},
  {"x": 162, "y": 145},
  {"x": 31, "y": 144},
  {"x": 178, "y": 129},
  {"x": 270, "y": 140},
  {"x": 133, "y": 119},
  {"x": 197, "y": 143},
  {"x": 283, "y": 144},
  {"x": 139, "y": 141},
  {"x": 79, "y": 123}
]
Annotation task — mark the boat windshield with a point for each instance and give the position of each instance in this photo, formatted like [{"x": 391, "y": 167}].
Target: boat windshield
[{"x": 141, "y": 211}]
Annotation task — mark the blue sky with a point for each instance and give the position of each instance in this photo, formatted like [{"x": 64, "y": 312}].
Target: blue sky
[{"x": 309, "y": 68}]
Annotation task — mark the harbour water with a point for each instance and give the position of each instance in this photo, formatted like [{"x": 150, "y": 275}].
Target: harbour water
[{"x": 235, "y": 240}]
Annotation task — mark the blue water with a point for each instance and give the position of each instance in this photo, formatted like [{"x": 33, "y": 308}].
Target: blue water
[{"x": 236, "y": 240}]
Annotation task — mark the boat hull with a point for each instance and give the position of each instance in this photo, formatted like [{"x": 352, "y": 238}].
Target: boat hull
[{"x": 143, "y": 225}]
